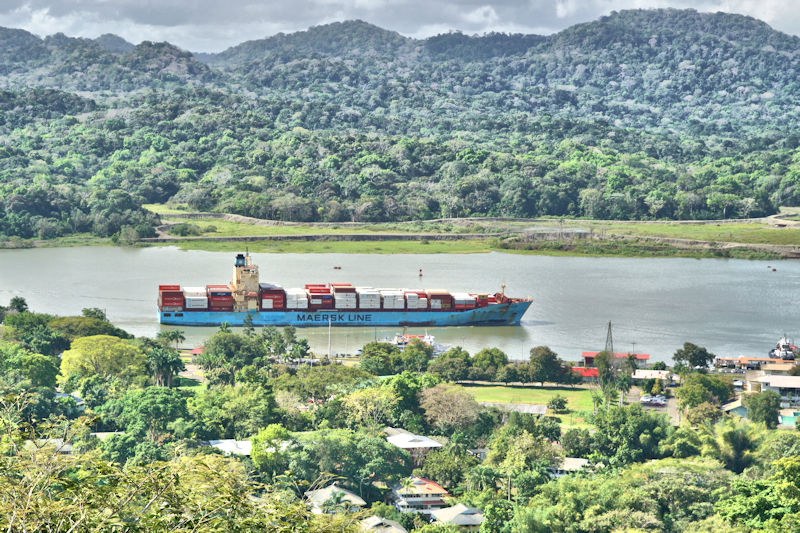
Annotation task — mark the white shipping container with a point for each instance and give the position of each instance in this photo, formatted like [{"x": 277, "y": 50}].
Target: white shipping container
[
  {"x": 194, "y": 290},
  {"x": 266, "y": 304},
  {"x": 436, "y": 304}
]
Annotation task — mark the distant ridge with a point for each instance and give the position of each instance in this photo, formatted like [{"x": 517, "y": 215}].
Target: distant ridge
[{"x": 114, "y": 43}]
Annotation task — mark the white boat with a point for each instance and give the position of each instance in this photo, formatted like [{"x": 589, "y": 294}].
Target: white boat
[
  {"x": 783, "y": 350},
  {"x": 401, "y": 340}
]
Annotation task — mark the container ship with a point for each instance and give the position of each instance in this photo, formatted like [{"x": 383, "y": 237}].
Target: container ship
[{"x": 337, "y": 304}]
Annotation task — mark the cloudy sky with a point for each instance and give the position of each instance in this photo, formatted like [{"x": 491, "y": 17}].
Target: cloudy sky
[{"x": 212, "y": 25}]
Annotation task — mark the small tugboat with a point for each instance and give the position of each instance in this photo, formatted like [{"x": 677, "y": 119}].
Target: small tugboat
[
  {"x": 784, "y": 350},
  {"x": 401, "y": 340}
]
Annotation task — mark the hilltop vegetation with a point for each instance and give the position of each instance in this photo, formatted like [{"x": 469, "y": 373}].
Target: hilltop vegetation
[{"x": 659, "y": 114}]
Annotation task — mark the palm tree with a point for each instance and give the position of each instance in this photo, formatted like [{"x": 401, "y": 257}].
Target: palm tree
[
  {"x": 164, "y": 364},
  {"x": 173, "y": 335},
  {"x": 18, "y": 304},
  {"x": 482, "y": 477},
  {"x": 732, "y": 442},
  {"x": 336, "y": 504}
]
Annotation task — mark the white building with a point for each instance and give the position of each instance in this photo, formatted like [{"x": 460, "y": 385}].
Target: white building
[
  {"x": 568, "y": 465},
  {"x": 787, "y": 386},
  {"x": 418, "y": 495},
  {"x": 416, "y": 445}
]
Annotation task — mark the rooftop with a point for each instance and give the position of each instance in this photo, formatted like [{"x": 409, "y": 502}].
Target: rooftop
[
  {"x": 778, "y": 367},
  {"x": 459, "y": 515},
  {"x": 732, "y": 405},
  {"x": 232, "y": 446},
  {"x": 572, "y": 464},
  {"x": 619, "y": 355},
  {"x": 320, "y": 496},
  {"x": 781, "y": 382},
  {"x": 641, "y": 373},
  {"x": 409, "y": 441},
  {"x": 376, "y": 523},
  {"x": 585, "y": 372},
  {"x": 420, "y": 487}
]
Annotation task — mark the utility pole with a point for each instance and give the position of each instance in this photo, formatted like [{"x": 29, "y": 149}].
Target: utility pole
[{"x": 329, "y": 339}]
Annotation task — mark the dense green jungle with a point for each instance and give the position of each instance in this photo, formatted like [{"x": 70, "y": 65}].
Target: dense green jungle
[{"x": 641, "y": 115}]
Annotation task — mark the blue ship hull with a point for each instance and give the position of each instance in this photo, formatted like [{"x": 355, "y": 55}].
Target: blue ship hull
[{"x": 507, "y": 314}]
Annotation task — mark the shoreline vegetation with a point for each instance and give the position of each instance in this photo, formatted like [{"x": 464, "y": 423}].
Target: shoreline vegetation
[{"x": 767, "y": 238}]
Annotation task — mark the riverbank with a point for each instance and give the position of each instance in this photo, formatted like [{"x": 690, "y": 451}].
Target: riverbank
[{"x": 768, "y": 238}]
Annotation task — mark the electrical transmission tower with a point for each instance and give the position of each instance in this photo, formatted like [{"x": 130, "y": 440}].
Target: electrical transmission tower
[{"x": 609, "y": 340}]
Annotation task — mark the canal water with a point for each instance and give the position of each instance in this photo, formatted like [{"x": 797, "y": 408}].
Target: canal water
[{"x": 733, "y": 307}]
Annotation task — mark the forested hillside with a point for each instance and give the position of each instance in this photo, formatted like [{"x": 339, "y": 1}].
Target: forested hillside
[{"x": 643, "y": 114}]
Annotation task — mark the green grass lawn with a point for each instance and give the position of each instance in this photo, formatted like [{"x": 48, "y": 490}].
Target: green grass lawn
[
  {"x": 226, "y": 228},
  {"x": 752, "y": 233},
  {"x": 577, "y": 399},
  {"x": 340, "y": 247},
  {"x": 164, "y": 209}
]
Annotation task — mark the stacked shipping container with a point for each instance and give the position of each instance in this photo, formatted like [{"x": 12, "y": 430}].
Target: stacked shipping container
[
  {"x": 170, "y": 298},
  {"x": 195, "y": 298},
  {"x": 439, "y": 299},
  {"x": 344, "y": 296},
  {"x": 393, "y": 299},
  {"x": 220, "y": 298},
  {"x": 271, "y": 296},
  {"x": 296, "y": 299},
  {"x": 368, "y": 298},
  {"x": 319, "y": 296},
  {"x": 416, "y": 300},
  {"x": 462, "y": 300}
]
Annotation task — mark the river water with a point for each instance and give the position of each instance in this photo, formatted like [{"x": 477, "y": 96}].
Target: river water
[{"x": 733, "y": 307}]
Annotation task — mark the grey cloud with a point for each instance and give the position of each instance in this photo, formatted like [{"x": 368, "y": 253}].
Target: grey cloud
[{"x": 209, "y": 25}]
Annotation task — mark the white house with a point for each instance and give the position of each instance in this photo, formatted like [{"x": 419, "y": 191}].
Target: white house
[
  {"x": 568, "y": 465},
  {"x": 787, "y": 386},
  {"x": 463, "y": 517},
  {"x": 418, "y": 495},
  {"x": 416, "y": 445}
]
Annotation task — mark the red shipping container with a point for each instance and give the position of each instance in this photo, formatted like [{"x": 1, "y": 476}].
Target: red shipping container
[{"x": 169, "y": 287}]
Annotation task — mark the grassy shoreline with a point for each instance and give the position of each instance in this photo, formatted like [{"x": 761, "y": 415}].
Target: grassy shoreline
[
  {"x": 754, "y": 239},
  {"x": 549, "y": 248}
]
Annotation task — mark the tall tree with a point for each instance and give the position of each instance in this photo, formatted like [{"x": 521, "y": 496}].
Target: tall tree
[
  {"x": 164, "y": 364},
  {"x": 105, "y": 356},
  {"x": 693, "y": 357}
]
